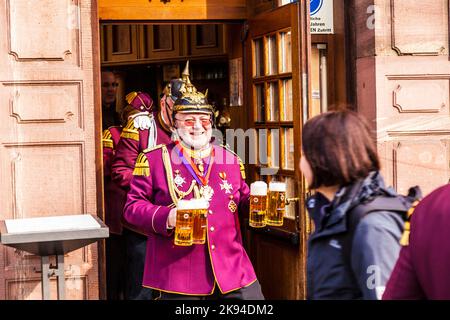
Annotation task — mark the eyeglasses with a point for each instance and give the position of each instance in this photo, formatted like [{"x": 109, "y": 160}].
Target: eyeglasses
[
  {"x": 190, "y": 122},
  {"x": 108, "y": 84}
]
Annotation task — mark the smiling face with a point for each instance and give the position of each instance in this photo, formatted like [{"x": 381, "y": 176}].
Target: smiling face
[{"x": 194, "y": 129}]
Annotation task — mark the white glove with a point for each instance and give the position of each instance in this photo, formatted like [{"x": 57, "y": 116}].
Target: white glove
[
  {"x": 142, "y": 120},
  {"x": 172, "y": 219}
]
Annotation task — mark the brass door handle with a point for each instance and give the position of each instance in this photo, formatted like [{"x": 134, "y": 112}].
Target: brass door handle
[{"x": 290, "y": 200}]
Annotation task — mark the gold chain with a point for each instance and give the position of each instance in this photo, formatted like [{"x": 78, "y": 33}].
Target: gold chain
[
  {"x": 173, "y": 190},
  {"x": 182, "y": 194}
]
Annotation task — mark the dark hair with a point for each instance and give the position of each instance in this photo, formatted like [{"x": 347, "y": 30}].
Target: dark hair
[{"x": 339, "y": 148}]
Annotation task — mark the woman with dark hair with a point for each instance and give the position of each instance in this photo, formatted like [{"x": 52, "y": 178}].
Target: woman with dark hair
[{"x": 347, "y": 258}]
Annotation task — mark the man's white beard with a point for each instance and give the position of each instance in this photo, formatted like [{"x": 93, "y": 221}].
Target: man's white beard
[{"x": 196, "y": 142}]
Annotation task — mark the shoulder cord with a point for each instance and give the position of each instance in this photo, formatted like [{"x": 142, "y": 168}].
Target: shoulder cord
[{"x": 152, "y": 132}]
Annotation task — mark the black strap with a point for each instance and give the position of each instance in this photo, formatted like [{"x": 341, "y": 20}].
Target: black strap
[{"x": 356, "y": 214}]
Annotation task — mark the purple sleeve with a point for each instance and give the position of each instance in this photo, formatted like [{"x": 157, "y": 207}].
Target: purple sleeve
[
  {"x": 124, "y": 161},
  {"x": 403, "y": 283},
  {"x": 141, "y": 213},
  {"x": 107, "y": 157}
]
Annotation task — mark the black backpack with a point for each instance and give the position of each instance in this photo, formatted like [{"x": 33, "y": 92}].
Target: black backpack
[{"x": 382, "y": 201}]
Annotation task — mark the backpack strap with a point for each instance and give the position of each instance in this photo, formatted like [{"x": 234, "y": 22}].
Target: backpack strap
[
  {"x": 403, "y": 205},
  {"x": 357, "y": 213}
]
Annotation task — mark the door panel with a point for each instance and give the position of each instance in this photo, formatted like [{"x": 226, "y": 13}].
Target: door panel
[
  {"x": 47, "y": 135},
  {"x": 277, "y": 65}
]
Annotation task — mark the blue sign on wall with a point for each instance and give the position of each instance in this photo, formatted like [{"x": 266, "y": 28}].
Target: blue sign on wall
[{"x": 314, "y": 6}]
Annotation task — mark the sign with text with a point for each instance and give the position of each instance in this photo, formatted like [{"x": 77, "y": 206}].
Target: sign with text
[{"x": 322, "y": 21}]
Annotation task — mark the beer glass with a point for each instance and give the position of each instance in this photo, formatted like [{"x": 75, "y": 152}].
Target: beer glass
[
  {"x": 258, "y": 204},
  {"x": 185, "y": 224},
  {"x": 277, "y": 202},
  {"x": 200, "y": 212}
]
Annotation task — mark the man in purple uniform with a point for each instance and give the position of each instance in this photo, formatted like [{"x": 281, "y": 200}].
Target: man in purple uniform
[
  {"x": 115, "y": 198},
  {"x": 186, "y": 169}
]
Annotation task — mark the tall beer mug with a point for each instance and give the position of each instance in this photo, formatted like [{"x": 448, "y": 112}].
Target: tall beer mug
[
  {"x": 185, "y": 224},
  {"x": 258, "y": 204},
  {"x": 277, "y": 202},
  {"x": 200, "y": 211}
]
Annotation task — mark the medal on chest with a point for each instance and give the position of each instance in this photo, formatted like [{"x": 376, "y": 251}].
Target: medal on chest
[
  {"x": 232, "y": 206},
  {"x": 179, "y": 180},
  {"x": 200, "y": 171},
  {"x": 225, "y": 185},
  {"x": 207, "y": 192}
]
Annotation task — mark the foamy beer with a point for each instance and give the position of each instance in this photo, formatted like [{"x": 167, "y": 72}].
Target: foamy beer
[
  {"x": 276, "y": 207},
  {"x": 258, "y": 204},
  {"x": 200, "y": 212},
  {"x": 184, "y": 228}
]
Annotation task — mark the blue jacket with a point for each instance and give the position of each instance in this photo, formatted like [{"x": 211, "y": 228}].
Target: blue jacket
[{"x": 375, "y": 245}]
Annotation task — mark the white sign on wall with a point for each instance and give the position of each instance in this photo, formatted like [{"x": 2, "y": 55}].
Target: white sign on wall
[{"x": 321, "y": 16}]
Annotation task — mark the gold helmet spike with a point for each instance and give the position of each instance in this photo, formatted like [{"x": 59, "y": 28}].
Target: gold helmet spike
[
  {"x": 206, "y": 94},
  {"x": 185, "y": 75}
]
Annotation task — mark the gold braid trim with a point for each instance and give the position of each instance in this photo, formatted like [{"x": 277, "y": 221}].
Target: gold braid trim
[
  {"x": 130, "y": 131},
  {"x": 107, "y": 134},
  {"x": 404, "y": 241},
  {"x": 153, "y": 148},
  {"x": 169, "y": 174},
  {"x": 141, "y": 168},
  {"x": 242, "y": 168},
  {"x": 130, "y": 97},
  {"x": 129, "y": 135},
  {"x": 130, "y": 125},
  {"x": 108, "y": 144},
  {"x": 241, "y": 163},
  {"x": 107, "y": 139}
]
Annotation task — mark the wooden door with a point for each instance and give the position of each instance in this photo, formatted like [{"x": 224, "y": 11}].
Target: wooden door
[
  {"x": 276, "y": 68},
  {"x": 48, "y": 135}
]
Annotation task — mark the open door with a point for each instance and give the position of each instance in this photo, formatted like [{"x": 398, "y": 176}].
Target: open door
[
  {"x": 49, "y": 134},
  {"x": 277, "y": 68}
]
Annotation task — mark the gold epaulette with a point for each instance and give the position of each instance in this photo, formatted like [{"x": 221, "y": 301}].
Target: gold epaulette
[
  {"x": 107, "y": 139},
  {"x": 130, "y": 131},
  {"x": 159, "y": 146},
  {"x": 241, "y": 163},
  {"x": 141, "y": 168},
  {"x": 404, "y": 241}
]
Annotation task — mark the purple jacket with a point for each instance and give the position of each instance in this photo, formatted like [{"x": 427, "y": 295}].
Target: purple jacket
[
  {"x": 115, "y": 197},
  {"x": 191, "y": 270},
  {"x": 422, "y": 269}
]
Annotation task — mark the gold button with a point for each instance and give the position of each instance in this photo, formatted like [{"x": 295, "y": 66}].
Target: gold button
[
  {"x": 212, "y": 229},
  {"x": 213, "y": 247}
]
